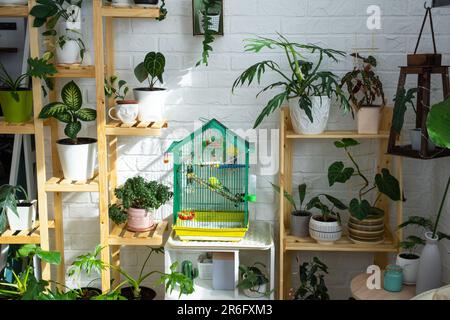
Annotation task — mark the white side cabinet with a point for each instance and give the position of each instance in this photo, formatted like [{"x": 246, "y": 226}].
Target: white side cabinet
[{"x": 257, "y": 246}]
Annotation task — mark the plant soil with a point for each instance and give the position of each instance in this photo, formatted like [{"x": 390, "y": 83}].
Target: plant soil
[
  {"x": 146, "y": 293},
  {"x": 24, "y": 204},
  {"x": 301, "y": 213},
  {"x": 322, "y": 219},
  {"x": 79, "y": 141},
  {"x": 148, "y": 89},
  {"x": 89, "y": 292},
  {"x": 409, "y": 256}
]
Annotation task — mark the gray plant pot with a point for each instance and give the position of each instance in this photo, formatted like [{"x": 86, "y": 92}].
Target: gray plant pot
[{"x": 300, "y": 223}]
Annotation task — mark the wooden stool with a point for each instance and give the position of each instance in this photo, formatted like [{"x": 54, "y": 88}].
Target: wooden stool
[{"x": 361, "y": 292}]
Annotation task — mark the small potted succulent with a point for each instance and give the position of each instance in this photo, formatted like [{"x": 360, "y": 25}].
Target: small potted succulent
[
  {"x": 138, "y": 199},
  {"x": 366, "y": 224},
  {"x": 312, "y": 281},
  {"x": 126, "y": 111},
  {"x": 21, "y": 213},
  {"x": 70, "y": 48},
  {"x": 253, "y": 282},
  {"x": 16, "y": 98},
  {"x": 300, "y": 216},
  {"x": 366, "y": 93},
  {"x": 77, "y": 154},
  {"x": 408, "y": 259},
  {"x": 151, "y": 99}
]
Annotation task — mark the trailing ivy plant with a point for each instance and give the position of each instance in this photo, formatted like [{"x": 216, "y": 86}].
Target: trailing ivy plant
[
  {"x": 364, "y": 87},
  {"x": 304, "y": 80},
  {"x": 117, "y": 91},
  {"x": 384, "y": 183},
  {"x": 139, "y": 194},
  {"x": 8, "y": 200},
  {"x": 162, "y": 11},
  {"x": 209, "y": 8},
  {"x": 69, "y": 111},
  {"x": 49, "y": 12},
  {"x": 312, "y": 281},
  {"x": 37, "y": 67},
  {"x": 151, "y": 69}
]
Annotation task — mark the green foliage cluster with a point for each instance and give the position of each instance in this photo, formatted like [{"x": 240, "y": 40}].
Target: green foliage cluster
[
  {"x": 8, "y": 200},
  {"x": 209, "y": 7},
  {"x": 252, "y": 278},
  {"x": 312, "y": 281},
  {"x": 119, "y": 91},
  {"x": 152, "y": 69}
]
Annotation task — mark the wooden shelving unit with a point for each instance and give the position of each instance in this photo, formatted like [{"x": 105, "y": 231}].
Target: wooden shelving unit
[
  {"x": 75, "y": 72},
  {"x": 288, "y": 245},
  {"x": 112, "y": 237},
  {"x": 39, "y": 234}
]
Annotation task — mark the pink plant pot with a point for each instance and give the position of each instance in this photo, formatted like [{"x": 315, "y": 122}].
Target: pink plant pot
[{"x": 140, "y": 220}]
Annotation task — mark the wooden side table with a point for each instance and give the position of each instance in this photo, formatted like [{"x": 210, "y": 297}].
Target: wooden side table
[{"x": 361, "y": 292}]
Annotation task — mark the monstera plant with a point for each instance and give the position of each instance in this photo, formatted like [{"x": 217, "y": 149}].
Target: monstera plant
[
  {"x": 77, "y": 154},
  {"x": 151, "y": 99}
]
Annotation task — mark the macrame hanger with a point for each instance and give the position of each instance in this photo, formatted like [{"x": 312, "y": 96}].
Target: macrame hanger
[{"x": 427, "y": 14}]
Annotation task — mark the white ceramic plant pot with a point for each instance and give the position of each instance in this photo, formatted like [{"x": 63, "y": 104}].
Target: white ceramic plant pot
[
  {"x": 429, "y": 275},
  {"x": 126, "y": 111},
  {"x": 416, "y": 140},
  {"x": 25, "y": 218},
  {"x": 151, "y": 104},
  {"x": 320, "y": 112},
  {"x": 256, "y": 292},
  {"x": 69, "y": 54},
  {"x": 121, "y": 3},
  {"x": 369, "y": 119},
  {"x": 324, "y": 232},
  {"x": 77, "y": 161},
  {"x": 410, "y": 267},
  {"x": 13, "y": 2}
]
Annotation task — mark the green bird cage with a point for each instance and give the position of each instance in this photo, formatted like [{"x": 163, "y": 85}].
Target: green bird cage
[{"x": 211, "y": 184}]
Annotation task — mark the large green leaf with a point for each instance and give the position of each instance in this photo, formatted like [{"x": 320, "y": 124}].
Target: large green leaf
[
  {"x": 336, "y": 202},
  {"x": 42, "y": 11},
  {"x": 52, "y": 257},
  {"x": 302, "y": 192},
  {"x": 402, "y": 99},
  {"x": 155, "y": 63},
  {"x": 140, "y": 72},
  {"x": 86, "y": 114},
  {"x": 40, "y": 68},
  {"x": 64, "y": 117},
  {"x": 52, "y": 110},
  {"x": 338, "y": 173},
  {"x": 287, "y": 195},
  {"x": 271, "y": 106},
  {"x": 71, "y": 95},
  {"x": 72, "y": 129},
  {"x": 438, "y": 124},
  {"x": 388, "y": 185},
  {"x": 345, "y": 143},
  {"x": 359, "y": 209}
]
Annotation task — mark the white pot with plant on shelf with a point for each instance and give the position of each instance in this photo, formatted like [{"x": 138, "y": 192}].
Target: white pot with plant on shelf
[
  {"x": 320, "y": 112},
  {"x": 151, "y": 99},
  {"x": 70, "y": 48},
  {"x": 76, "y": 154},
  {"x": 365, "y": 89},
  {"x": 253, "y": 282},
  {"x": 21, "y": 214}
]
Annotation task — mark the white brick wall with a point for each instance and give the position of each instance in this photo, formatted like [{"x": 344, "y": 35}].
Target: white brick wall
[{"x": 205, "y": 92}]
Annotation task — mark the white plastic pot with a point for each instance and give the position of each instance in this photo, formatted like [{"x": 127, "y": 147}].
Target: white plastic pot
[
  {"x": 369, "y": 119},
  {"x": 410, "y": 268},
  {"x": 151, "y": 103},
  {"x": 13, "y": 2},
  {"x": 416, "y": 140},
  {"x": 69, "y": 54},
  {"x": 324, "y": 232},
  {"x": 77, "y": 161},
  {"x": 320, "y": 112},
  {"x": 25, "y": 218},
  {"x": 256, "y": 292}
]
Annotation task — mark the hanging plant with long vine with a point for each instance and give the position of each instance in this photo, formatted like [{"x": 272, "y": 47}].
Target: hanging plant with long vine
[{"x": 209, "y": 8}]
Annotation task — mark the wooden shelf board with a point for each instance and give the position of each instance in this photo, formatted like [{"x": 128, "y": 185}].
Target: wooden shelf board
[
  {"x": 16, "y": 128},
  {"x": 342, "y": 245},
  {"x": 130, "y": 12},
  {"x": 13, "y": 11},
  {"x": 58, "y": 184},
  {"x": 121, "y": 236},
  {"x": 116, "y": 128},
  {"x": 66, "y": 71},
  {"x": 408, "y": 152},
  {"x": 337, "y": 135},
  {"x": 32, "y": 236}
]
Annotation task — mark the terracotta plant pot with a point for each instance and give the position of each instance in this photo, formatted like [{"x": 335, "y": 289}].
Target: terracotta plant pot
[
  {"x": 369, "y": 119},
  {"x": 17, "y": 111},
  {"x": 300, "y": 223},
  {"x": 325, "y": 232},
  {"x": 146, "y": 293},
  {"x": 140, "y": 220}
]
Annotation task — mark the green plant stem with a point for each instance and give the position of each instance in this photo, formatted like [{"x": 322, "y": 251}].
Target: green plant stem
[
  {"x": 366, "y": 181},
  {"x": 440, "y": 209}
]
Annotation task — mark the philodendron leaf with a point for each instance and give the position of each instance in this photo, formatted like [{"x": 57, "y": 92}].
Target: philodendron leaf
[
  {"x": 302, "y": 192},
  {"x": 360, "y": 210},
  {"x": 402, "y": 99},
  {"x": 338, "y": 173},
  {"x": 438, "y": 124},
  {"x": 52, "y": 109},
  {"x": 71, "y": 95},
  {"x": 345, "y": 143},
  {"x": 87, "y": 114},
  {"x": 27, "y": 250},
  {"x": 72, "y": 128},
  {"x": 336, "y": 202},
  {"x": 388, "y": 185},
  {"x": 140, "y": 73},
  {"x": 52, "y": 257},
  {"x": 155, "y": 63}
]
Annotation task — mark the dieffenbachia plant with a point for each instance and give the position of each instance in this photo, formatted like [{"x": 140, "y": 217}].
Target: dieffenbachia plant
[
  {"x": 69, "y": 110},
  {"x": 384, "y": 183}
]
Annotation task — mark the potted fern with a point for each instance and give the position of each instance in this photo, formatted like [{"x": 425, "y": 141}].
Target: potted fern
[
  {"x": 307, "y": 88},
  {"x": 21, "y": 213},
  {"x": 151, "y": 99},
  {"x": 137, "y": 201},
  {"x": 76, "y": 154},
  {"x": 16, "y": 98},
  {"x": 366, "y": 93}
]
